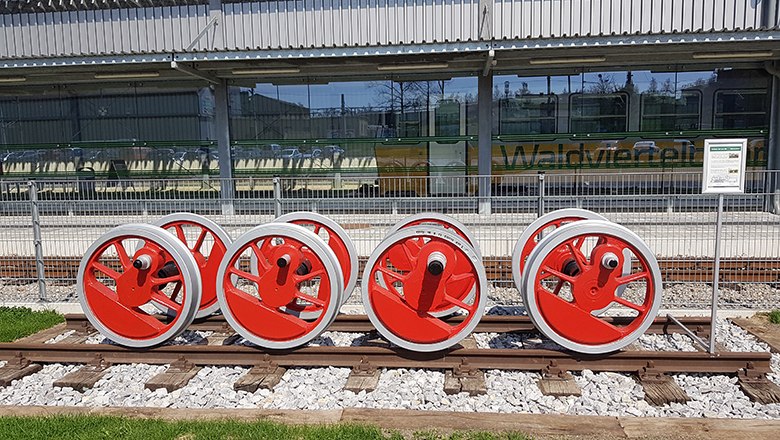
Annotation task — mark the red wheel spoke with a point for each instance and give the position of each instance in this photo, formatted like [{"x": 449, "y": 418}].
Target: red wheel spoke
[
  {"x": 246, "y": 275},
  {"x": 261, "y": 259},
  {"x": 624, "y": 302},
  {"x": 439, "y": 323},
  {"x": 582, "y": 261},
  {"x": 386, "y": 292},
  {"x": 311, "y": 275},
  {"x": 180, "y": 233},
  {"x": 172, "y": 279},
  {"x": 124, "y": 259},
  {"x": 161, "y": 299},
  {"x": 176, "y": 291},
  {"x": 457, "y": 302},
  {"x": 104, "y": 290},
  {"x": 201, "y": 238},
  {"x": 460, "y": 277},
  {"x": 310, "y": 299},
  {"x": 392, "y": 273},
  {"x": 233, "y": 290},
  {"x": 111, "y": 273},
  {"x": 317, "y": 229},
  {"x": 631, "y": 277},
  {"x": 408, "y": 252},
  {"x": 558, "y": 287},
  {"x": 552, "y": 272}
]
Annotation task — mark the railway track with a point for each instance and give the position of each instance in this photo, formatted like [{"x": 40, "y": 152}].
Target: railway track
[
  {"x": 732, "y": 270},
  {"x": 382, "y": 355},
  {"x": 361, "y": 324},
  {"x": 464, "y": 364}
]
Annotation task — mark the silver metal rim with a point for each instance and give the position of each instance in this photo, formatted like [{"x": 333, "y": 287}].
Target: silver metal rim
[
  {"x": 452, "y": 310},
  {"x": 528, "y": 234},
  {"x": 320, "y": 249},
  {"x": 182, "y": 257},
  {"x": 415, "y": 231},
  {"x": 440, "y": 220},
  {"x": 352, "y": 276},
  {"x": 567, "y": 232},
  {"x": 218, "y": 231}
]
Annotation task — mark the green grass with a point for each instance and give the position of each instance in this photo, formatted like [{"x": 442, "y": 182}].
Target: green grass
[
  {"x": 101, "y": 427},
  {"x": 18, "y": 322},
  {"x": 774, "y": 316}
]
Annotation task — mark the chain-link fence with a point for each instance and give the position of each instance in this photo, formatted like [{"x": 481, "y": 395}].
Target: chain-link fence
[{"x": 666, "y": 209}]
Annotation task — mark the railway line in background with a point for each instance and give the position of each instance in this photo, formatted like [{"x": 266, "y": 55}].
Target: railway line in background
[{"x": 498, "y": 269}]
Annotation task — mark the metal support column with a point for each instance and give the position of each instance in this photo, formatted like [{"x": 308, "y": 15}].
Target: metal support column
[
  {"x": 37, "y": 241},
  {"x": 222, "y": 124},
  {"x": 485, "y": 145},
  {"x": 772, "y": 185}
]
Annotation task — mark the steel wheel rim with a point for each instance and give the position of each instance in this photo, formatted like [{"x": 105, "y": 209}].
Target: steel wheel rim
[
  {"x": 448, "y": 223},
  {"x": 208, "y": 271},
  {"x": 526, "y": 243},
  {"x": 243, "y": 323},
  {"x": 349, "y": 265},
  {"x": 540, "y": 317},
  {"x": 441, "y": 220},
  {"x": 378, "y": 314},
  {"x": 190, "y": 280}
]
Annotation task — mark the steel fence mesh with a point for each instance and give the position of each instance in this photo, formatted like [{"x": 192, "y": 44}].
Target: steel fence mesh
[{"x": 666, "y": 209}]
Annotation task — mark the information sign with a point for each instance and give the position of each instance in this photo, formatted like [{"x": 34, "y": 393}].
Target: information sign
[{"x": 724, "y": 166}]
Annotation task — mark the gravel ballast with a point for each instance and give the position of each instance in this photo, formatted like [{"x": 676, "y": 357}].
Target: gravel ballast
[{"x": 606, "y": 394}]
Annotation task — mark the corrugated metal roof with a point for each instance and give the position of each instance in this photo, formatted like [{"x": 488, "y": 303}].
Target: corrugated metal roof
[{"x": 346, "y": 28}]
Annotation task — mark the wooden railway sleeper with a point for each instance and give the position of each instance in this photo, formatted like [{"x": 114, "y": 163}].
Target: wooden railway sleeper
[
  {"x": 660, "y": 388},
  {"x": 757, "y": 386},
  {"x": 465, "y": 378},
  {"x": 556, "y": 381}
]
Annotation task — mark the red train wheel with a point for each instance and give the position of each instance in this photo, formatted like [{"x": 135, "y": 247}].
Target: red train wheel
[
  {"x": 448, "y": 223},
  {"x": 338, "y": 241},
  {"x": 207, "y": 243},
  {"x": 118, "y": 288},
  {"x": 292, "y": 265},
  {"x": 575, "y": 272},
  {"x": 400, "y": 302}
]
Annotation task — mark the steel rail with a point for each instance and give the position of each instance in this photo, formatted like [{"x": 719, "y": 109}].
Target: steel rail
[
  {"x": 387, "y": 357},
  {"x": 488, "y": 324}
]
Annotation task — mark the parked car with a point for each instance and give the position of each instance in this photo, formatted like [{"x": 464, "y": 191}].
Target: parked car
[
  {"x": 332, "y": 151},
  {"x": 646, "y": 147},
  {"x": 290, "y": 153}
]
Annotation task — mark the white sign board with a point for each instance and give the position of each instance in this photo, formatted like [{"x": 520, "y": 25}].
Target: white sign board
[{"x": 724, "y": 166}]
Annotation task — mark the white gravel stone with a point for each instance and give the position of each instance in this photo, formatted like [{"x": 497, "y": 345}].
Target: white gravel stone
[
  {"x": 37, "y": 389},
  {"x": 606, "y": 394},
  {"x": 59, "y": 337},
  {"x": 670, "y": 342},
  {"x": 338, "y": 339}
]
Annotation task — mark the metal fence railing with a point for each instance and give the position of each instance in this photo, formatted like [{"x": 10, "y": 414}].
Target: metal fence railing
[{"x": 667, "y": 210}]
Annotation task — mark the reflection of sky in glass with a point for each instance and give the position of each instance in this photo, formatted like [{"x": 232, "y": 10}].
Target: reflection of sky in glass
[
  {"x": 360, "y": 93},
  {"x": 511, "y": 85}
]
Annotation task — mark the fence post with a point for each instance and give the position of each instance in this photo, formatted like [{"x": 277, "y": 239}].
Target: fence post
[
  {"x": 540, "y": 199},
  {"x": 277, "y": 197},
  {"x": 716, "y": 273},
  {"x": 36, "y": 225}
]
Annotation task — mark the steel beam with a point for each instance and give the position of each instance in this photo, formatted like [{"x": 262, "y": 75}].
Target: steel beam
[
  {"x": 222, "y": 126},
  {"x": 485, "y": 143},
  {"x": 772, "y": 185}
]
